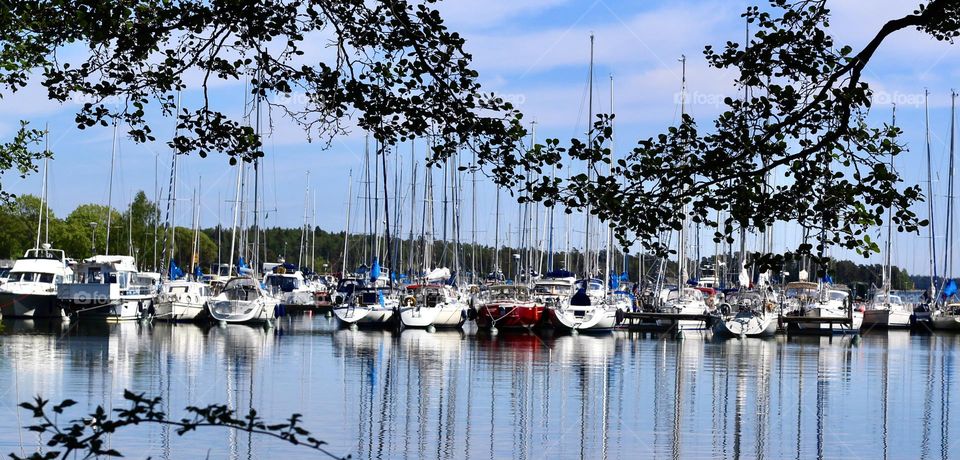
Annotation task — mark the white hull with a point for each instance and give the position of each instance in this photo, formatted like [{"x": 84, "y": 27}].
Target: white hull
[
  {"x": 886, "y": 318},
  {"x": 587, "y": 320},
  {"x": 29, "y": 306},
  {"x": 445, "y": 316},
  {"x": 241, "y": 311},
  {"x": 350, "y": 314},
  {"x": 178, "y": 311},
  {"x": 129, "y": 309},
  {"x": 748, "y": 325},
  {"x": 377, "y": 317}
]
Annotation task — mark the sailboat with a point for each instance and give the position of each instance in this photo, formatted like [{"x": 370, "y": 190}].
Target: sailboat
[
  {"x": 183, "y": 299},
  {"x": 947, "y": 316},
  {"x": 31, "y": 287},
  {"x": 683, "y": 300}
]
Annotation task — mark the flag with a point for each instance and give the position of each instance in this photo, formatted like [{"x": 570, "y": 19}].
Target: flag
[{"x": 197, "y": 272}]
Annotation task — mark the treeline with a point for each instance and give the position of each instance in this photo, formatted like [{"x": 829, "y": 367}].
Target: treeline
[{"x": 139, "y": 231}]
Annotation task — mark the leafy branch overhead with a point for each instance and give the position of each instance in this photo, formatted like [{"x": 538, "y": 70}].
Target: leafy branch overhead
[
  {"x": 86, "y": 437},
  {"x": 391, "y": 64},
  {"x": 803, "y": 116}
]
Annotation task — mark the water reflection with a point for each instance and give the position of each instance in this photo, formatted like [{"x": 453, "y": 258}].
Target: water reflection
[{"x": 455, "y": 394}]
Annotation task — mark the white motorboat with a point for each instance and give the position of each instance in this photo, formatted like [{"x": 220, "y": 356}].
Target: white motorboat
[
  {"x": 887, "y": 310},
  {"x": 182, "y": 300},
  {"x": 110, "y": 288},
  {"x": 242, "y": 300},
  {"x": 31, "y": 289},
  {"x": 436, "y": 305},
  {"x": 587, "y": 310}
]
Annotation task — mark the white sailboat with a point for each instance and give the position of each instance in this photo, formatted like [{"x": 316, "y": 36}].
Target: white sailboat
[
  {"x": 947, "y": 315},
  {"x": 183, "y": 299},
  {"x": 436, "y": 305},
  {"x": 753, "y": 316},
  {"x": 242, "y": 301}
]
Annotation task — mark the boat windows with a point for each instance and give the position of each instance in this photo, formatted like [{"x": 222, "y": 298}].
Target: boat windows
[
  {"x": 46, "y": 277},
  {"x": 283, "y": 283}
]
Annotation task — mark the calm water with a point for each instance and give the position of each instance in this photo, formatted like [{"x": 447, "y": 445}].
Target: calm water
[{"x": 458, "y": 395}]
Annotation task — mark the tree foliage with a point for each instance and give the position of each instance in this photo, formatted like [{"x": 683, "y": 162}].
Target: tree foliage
[
  {"x": 804, "y": 116},
  {"x": 86, "y": 437}
]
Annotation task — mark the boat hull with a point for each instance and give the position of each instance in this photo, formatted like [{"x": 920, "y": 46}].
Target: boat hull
[
  {"x": 582, "y": 320},
  {"x": 350, "y": 314},
  {"x": 239, "y": 311},
  {"x": 753, "y": 325},
  {"x": 886, "y": 318},
  {"x": 946, "y": 322},
  {"x": 178, "y": 311},
  {"x": 446, "y": 316},
  {"x": 510, "y": 315},
  {"x": 29, "y": 306}
]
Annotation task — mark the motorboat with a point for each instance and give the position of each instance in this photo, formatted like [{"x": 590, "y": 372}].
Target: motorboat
[
  {"x": 31, "y": 288},
  {"x": 887, "y": 311},
  {"x": 111, "y": 288}
]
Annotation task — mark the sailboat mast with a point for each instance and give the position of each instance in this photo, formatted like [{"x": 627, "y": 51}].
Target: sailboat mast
[
  {"x": 413, "y": 208},
  {"x": 113, "y": 160},
  {"x": 681, "y": 240},
  {"x": 587, "y": 269},
  {"x": 948, "y": 250},
  {"x": 930, "y": 205},
  {"x": 887, "y": 268},
  {"x": 346, "y": 232},
  {"x": 609, "y": 237}
]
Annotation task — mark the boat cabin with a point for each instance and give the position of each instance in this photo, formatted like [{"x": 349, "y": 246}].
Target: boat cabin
[
  {"x": 508, "y": 292},
  {"x": 119, "y": 270}
]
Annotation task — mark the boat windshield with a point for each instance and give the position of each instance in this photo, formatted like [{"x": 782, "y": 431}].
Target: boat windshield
[
  {"x": 591, "y": 285},
  {"x": 688, "y": 293},
  {"x": 882, "y": 299},
  {"x": 241, "y": 289},
  {"x": 552, "y": 289},
  {"x": 837, "y": 295}
]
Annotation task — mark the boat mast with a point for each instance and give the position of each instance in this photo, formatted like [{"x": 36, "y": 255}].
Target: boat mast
[
  {"x": 413, "y": 209},
  {"x": 930, "y": 205},
  {"x": 43, "y": 188},
  {"x": 113, "y": 159},
  {"x": 681, "y": 240},
  {"x": 887, "y": 268},
  {"x": 948, "y": 251},
  {"x": 587, "y": 269},
  {"x": 609, "y": 234},
  {"x": 346, "y": 232},
  {"x": 304, "y": 237}
]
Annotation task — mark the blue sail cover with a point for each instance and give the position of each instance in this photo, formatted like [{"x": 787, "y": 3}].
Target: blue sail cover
[
  {"x": 197, "y": 272},
  {"x": 614, "y": 281},
  {"x": 624, "y": 276},
  {"x": 828, "y": 279},
  {"x": 175, "y": 271},
  {"x": 242, "y": 267},
  {"x": 950, "y": 289},
  {"x": 375, "y": 270}
]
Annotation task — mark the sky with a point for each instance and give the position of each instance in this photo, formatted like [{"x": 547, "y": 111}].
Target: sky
[{"x": 534, "y": 53}]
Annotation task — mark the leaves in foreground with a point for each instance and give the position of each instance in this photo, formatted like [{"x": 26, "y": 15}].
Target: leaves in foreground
[{"x": 86, "y": 437}]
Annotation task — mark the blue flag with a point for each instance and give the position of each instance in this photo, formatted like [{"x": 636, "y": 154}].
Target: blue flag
[
  {"x": 197, "y": 272},
  {"x": 614, "y": 281}
]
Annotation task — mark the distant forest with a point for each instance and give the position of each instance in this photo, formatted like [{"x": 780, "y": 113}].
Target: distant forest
[{"x": 139, "y": 231}]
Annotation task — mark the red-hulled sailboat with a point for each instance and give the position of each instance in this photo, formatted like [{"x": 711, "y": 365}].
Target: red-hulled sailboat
[{"x": 509, "y": 307}]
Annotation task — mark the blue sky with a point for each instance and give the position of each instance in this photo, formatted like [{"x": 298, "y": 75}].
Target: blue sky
[{"x": 535, "y": 53}]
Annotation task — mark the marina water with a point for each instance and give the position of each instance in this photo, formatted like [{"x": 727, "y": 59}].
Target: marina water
[{"x": 417, "y": 394}]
